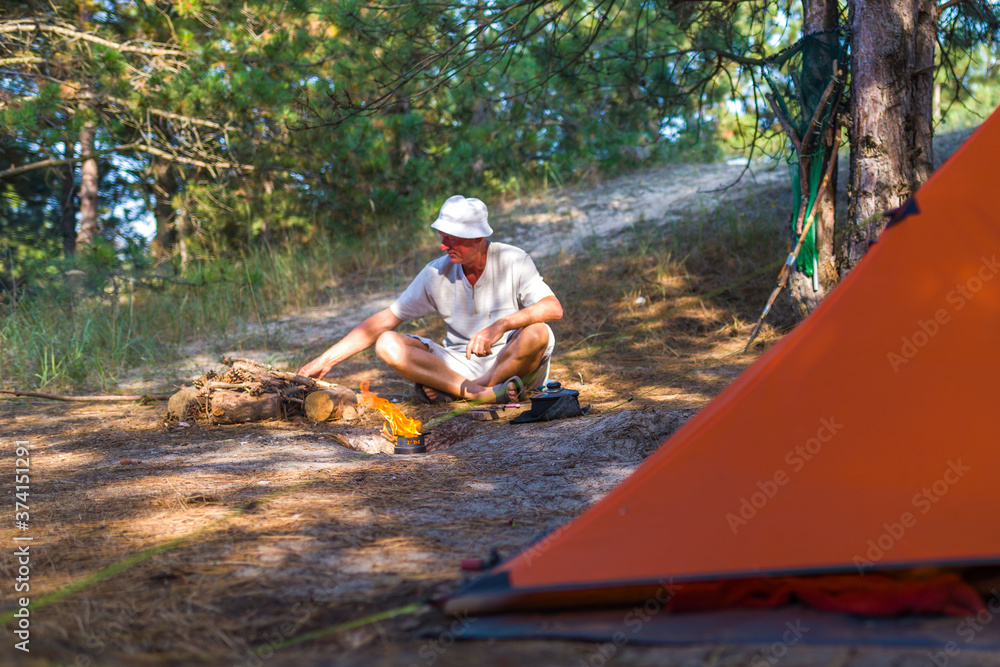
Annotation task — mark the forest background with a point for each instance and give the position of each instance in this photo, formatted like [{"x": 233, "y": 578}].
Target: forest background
[{"x": 170, "y": 168}]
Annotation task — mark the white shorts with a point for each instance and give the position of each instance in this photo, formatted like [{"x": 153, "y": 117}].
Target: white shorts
[{"x": 476, "y": 367}]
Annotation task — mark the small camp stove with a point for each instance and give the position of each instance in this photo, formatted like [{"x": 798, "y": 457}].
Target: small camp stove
[
  {"x": 553, "y": 403},
  {"x": 553, "y": 392},
  {"x": 413, "y": 444}
]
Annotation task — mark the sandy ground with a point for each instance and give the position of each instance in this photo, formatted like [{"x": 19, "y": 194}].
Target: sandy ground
[{"x": 154, "y": 543}]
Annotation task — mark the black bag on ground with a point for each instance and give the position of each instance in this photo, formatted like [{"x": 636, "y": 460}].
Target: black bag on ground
[{"x": 553, "y": 403}]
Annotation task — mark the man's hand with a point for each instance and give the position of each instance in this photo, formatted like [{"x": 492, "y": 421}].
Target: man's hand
[
  {"x": 482, "y": 343},
  {"x": 544, "y": 310},
  {"x": 360, "y": 338},
  {"x": 316, "y": 369}
]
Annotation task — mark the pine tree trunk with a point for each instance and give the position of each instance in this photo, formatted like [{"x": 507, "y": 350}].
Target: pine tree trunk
[
  {"x": 820, "y": 15},
  {"x": 88, "y": 190},
  {"x": 181, "y": 224},
  {"x": 892, "y": 93},
  {"x": 164, "y": 190},
  {"x": 923, "y": 90},
  {"x": 67, "y": 211}
]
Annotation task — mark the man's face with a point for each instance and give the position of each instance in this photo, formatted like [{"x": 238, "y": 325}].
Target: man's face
[{"x": 460, "y": 251}]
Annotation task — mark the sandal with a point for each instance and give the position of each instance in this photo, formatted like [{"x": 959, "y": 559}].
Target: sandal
[
  {"x": 421, "y": 395},
  {"x": 500, "y": 391}
]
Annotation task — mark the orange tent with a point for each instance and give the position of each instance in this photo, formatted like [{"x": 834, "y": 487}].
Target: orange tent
[{"x": 865, "y": 440}]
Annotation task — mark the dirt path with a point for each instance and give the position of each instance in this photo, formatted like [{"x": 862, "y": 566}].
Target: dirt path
[{"x": 565, "y": 221}]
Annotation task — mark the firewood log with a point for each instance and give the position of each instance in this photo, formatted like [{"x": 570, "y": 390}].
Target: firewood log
[
  {"x": 253, "y": 370},
  {"x": 181, "y": 402},
  {"x": 232, "y": 407},
  {"x": 331, "y": 403},
  {"x": 264, "y": 372}
]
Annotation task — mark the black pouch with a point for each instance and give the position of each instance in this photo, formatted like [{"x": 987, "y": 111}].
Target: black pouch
[{"x": 553, "y": 403}]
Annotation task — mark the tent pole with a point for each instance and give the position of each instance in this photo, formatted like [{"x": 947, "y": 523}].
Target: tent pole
[{"x": 786, "y": 268}]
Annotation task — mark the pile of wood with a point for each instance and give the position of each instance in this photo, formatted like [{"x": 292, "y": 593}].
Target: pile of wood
[{"x": 248, "y": 391}]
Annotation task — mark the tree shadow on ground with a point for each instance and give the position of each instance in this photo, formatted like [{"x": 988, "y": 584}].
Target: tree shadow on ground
[{"x": 225, "y": 538}]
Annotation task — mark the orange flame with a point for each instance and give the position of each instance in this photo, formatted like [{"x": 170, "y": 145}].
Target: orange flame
[{"x": 396, "y": 422}]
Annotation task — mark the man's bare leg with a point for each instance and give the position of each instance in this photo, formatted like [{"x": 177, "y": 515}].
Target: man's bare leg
[
  {"x": 412, "y": 360},
  {"x": 521, "y": 356}
]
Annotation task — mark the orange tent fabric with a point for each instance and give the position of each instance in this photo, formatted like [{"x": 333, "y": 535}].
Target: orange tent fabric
[{"x": 866, "y": 439}]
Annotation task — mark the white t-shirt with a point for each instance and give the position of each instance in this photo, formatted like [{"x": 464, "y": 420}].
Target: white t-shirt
[{"x": 509, "y": 283}]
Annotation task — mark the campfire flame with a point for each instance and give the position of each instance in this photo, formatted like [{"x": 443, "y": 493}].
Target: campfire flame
[{"x": 396, "y": 423}]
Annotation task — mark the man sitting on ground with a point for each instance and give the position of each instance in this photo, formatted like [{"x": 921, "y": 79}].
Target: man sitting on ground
[{"x": 495, "y": 306}]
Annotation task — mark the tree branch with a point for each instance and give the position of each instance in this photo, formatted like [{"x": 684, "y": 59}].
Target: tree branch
[
  {"x": 142, "y": 148},
  {"x": 789, "y": 130},
  {"x": 44, "y": 164},
  {"x": 104, "y": 399},
  {"x": 742, "y": 60},
  {"x": 73, "y": 33},
  {"x": 156, "y": 112},
  {"x": 186, "y": 160},
  {"x": 22, "y": 60},
  {"x": 90, "y": 97}
]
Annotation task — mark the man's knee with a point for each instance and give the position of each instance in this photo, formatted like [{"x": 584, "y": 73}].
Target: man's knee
[
  {"x": 391, "y": 349},
  {"x": 533, "y": 338}
]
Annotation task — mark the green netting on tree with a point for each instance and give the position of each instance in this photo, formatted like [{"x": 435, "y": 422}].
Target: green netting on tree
[{"x": 800, "y": 77}]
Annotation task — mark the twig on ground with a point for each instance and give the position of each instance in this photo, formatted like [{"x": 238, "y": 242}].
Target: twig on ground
[{"x": 82, "y": 399}]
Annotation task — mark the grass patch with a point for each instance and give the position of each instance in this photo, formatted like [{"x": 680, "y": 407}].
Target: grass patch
[
  {"x": 81, "y": 330},
  {"x": 659, "y": 288}
]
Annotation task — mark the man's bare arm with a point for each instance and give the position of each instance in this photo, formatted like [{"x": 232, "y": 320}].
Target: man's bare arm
[
  {"x": 545, "y": 310},
  {"x": 360, "y": 338}
]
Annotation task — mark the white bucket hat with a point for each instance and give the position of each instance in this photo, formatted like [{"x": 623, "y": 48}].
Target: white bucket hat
[{"x": 464, "y": 218}]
